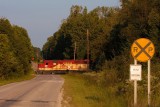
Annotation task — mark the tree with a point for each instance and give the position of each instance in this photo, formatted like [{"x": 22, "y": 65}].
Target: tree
[
  {"x": 22, "y": 47},
  {"x": 17, "y": 47},
  {"x": 9, "y": 64}
]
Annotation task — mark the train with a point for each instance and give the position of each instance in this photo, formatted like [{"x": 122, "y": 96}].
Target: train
[{"x": 62, "y": 66}]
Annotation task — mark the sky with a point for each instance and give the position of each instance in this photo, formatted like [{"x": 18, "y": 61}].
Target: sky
[{"x": 42, "y": 18}]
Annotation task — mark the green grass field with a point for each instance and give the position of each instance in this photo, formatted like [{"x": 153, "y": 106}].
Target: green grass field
[
  {"x": 23, "y": 78},
  {"x": 80, "y": 92}
]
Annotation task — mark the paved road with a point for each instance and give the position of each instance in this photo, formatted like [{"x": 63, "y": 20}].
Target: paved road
[{"x": 41, "y": 91}]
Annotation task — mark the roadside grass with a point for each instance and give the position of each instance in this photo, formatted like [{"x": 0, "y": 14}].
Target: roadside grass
[
  {"x": 80, "y": 92},
  {"x": 17, "y": 79}
]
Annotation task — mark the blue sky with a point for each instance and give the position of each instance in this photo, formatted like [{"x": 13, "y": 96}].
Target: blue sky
[{"x": 42, "y": 18}]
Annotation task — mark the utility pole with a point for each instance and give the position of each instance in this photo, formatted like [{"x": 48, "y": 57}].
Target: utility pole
[
  {"x": 75, "y": 45},
  {"x": 42, "y": 54},
  {"x": 37, "y": 54},
  {"x": 88, "y": 48}
]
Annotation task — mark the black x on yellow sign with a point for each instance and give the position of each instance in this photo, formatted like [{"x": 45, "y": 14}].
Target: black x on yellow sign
[{"x": 142, "y": 49}]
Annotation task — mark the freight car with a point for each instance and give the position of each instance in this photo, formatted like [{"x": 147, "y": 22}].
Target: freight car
[{"x": 61, "y": 66}]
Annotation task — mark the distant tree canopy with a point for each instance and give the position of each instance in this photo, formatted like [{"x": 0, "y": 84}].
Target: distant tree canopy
[
  {"x": 73, "y": 30},
  {"x": 111, "y": 31},
  {"x": 37, "y": 54},
  {"x": 15, "y": 50}
]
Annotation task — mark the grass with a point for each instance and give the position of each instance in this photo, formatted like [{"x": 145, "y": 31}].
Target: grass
[
  {"x": 80, "y": 92},
  {"x": 19, "y": 79}
]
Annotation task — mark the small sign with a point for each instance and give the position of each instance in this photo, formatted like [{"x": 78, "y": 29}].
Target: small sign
[
  {"x": 136, "y": 72},
  {"x": 142, "y": 49}
]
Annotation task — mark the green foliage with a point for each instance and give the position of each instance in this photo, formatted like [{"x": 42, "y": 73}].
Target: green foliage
[
  {"x": 37, "y": 54},
  {"x": 22, "y": 46},
  {"x": 15, "y": 50},
  {"x": 9, "y": 64},
  {"x": 5, "y": 27}
]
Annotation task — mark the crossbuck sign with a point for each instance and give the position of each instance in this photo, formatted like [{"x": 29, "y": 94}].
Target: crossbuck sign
[{"x": 142, "y": 50}]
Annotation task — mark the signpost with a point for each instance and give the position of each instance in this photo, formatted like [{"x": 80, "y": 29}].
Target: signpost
[
  {"x": 142, "y": 50},
  {"x": 135, "y": 74}
]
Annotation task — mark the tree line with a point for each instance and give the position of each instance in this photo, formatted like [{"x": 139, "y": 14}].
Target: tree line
[
  {"x": 112, "y": 30},
  {"x": 16, "y": 50}
]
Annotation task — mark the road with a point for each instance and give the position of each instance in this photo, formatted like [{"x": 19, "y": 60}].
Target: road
[{"x": 42, "y": 91}]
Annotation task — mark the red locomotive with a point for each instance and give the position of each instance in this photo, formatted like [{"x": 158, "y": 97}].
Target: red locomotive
[{"x": 63, "y": 65}]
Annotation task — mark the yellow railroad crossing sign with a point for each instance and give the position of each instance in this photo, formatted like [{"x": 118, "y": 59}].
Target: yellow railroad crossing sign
[{"x": 142, "y": 49}]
